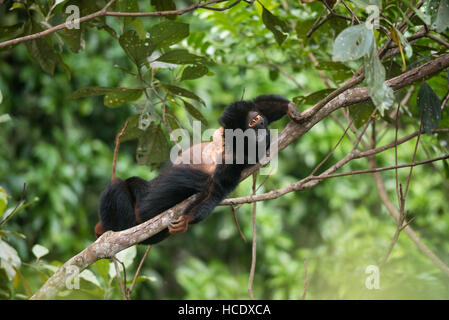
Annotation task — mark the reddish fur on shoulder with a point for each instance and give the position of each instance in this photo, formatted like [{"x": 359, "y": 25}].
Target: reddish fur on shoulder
[{"x": 99, "y": 229}]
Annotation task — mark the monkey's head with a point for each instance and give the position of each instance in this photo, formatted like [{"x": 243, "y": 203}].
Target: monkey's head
[
  {"x": 256, "y": 114},
  {"x": 252, "y": 118}
]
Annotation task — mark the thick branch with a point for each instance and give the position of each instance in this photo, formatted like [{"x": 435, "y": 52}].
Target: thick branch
[{"x": 108, "y": 245}]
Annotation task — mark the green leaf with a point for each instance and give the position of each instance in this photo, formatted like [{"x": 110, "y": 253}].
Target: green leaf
[
  {"x": 72, "y": 37},
  {"x": 381, "y": 94},
  {"x": 120, "y": 96},
  {"x": 3, "y": 201},
  {"x": 41, "y": 49},
  {"x": 9, "y": 31},
  {"x": 442, "y": 19},
  {"x": 275, "y": 25},
  {"x": 168, "y": 33},
  {"x": 11, "y": 212},
  {"x": 102, "y": 268},
  {"x": 194, "y": 72},
  {"x": 113, "y": 97},
  {"x": 138, "y": 50},
  {"x": 361, "y": 112},
  {"x": 424, "y": 17},
  {"x": 182, "y": 92},
  {"x": 338, "y": 71},
  {"x": 5, "y": 117},
  {"x": 127, "y": 256},
  {"x": 171, "y": 119},
  {"x": 17, "y": 5},
  {"x": 152, "y": 148},
  {"x": 431, "y": 9},
  {"x": 181, "y": 56},
  {"x": 312, "y": 98},
  {"x": 90, "y": 92},
  {"x": 165, "y": 5},
  {"x": 194, "y": 112},
  {"x": 132, "y": 129},
  {"x": 429, "y": 107},
  {"x": 302, "y": 27},
  {"x": 9, "y": 259},
  {"x": 353, "y": 43},
  {"x": 89, "y": 276},
  {"x": 273, "y": 74},
  {"x": 127, "y": 6},
  {"x": 362, "y": 4},
  {"x": 140, "y": 28},
  {"x": 39, "y": 251},
  {"x": 446, "y": 168}
]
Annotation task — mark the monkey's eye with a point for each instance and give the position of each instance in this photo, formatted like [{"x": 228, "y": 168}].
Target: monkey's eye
[{"x": 255, "y": 120}]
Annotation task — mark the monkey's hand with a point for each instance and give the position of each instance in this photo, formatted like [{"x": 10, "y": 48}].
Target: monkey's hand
[{"x": 180, "y": 224}]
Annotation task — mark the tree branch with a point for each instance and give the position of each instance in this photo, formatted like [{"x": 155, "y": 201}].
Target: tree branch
[{"x": 103, "y": 12}]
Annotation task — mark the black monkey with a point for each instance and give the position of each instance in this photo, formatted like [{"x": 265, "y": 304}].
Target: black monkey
[{"x": 212, "y": 175}]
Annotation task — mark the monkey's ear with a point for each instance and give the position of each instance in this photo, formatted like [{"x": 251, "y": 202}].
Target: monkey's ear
[{"x": 272, "y": 106}]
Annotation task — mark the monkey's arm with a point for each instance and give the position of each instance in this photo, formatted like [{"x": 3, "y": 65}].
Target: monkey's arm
[
  {"x": 274, "y": 107},
  {"x": 223, "y": 182}
]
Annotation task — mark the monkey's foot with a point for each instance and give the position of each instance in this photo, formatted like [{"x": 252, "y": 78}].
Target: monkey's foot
[
  {"x": 294, "y": 115},
  {"x": 179, "y": 225}
]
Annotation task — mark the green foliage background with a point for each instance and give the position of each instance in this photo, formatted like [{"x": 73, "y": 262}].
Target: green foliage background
[{"x": 63, "y": 150}]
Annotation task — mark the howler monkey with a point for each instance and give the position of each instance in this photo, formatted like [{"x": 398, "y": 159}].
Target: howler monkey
[{"x": 212, "y": 172}]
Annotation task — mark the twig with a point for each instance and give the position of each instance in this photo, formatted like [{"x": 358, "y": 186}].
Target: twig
[
  {"x": 117, "y": 147},
  {"x": 437, "y": 39},
  {"x": 130, "y": 290},
  {"x": 306, "y": 281},
  {"x": 104, "y": 12},
  {"x": 408, "y": 230},
  {"x": 223, "y": 8},
  {"x": 234, "y": 213},
  {"x": 413, "y": 160},
  {"x": 19, "y": 203},
  {"x": 332, "y": 150},
  {"x": 401, "y": 223},
  {"x": 253, "y": 246},
  {"x": 355, "y": 172},
  {"x": 445, "y": 100},
  {"x": 353, "y": 15},
  {"x": 289, "y": 76},
  {"x": 119, "y": 278},
  {"x": 320, "y": 72},
  {"x": 318, "y": 23}
]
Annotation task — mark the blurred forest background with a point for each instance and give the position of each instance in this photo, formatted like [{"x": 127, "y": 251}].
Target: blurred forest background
[{"x": 62, "y": 148}]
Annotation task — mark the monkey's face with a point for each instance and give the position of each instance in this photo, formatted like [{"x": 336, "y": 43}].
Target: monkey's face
[
  {"x": 255, "y": 120},
  {"x": 246, "y": 132},
  {"x": 258, "y": 122}
]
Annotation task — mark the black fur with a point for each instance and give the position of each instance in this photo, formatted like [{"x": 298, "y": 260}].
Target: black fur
[{"x": 126, "y": 203}]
